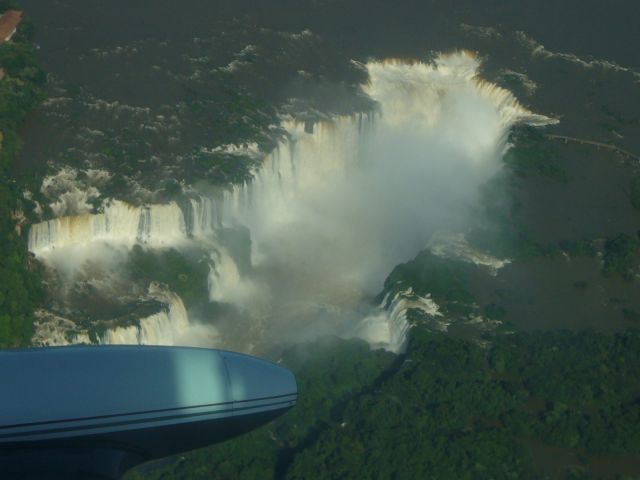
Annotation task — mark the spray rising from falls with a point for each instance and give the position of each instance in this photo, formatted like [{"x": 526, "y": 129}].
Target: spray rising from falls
[
  {"x": 332, "y": 210},
  {"x": 80, "y": 247}
]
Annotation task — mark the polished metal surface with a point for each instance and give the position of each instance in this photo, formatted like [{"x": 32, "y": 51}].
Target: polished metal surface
[{"x": 121, "y": 405}]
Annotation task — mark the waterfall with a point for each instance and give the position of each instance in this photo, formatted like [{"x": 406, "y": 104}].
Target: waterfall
[
  {"x": 304, "y": 162},
  {"x": 204, "y": 216},
  {"x": 120, "y": 223},
  {"x": 333, "y": 208},
  {"x": 387, "y": 327},
  {"x": 165, "y": 327},
  {"x": 124, "y": 224},
  {"x": 343, "y": 202},
  {"x": 162, "y": 328},
  {"x": 161, "y": 225},
  {"x": 224, "y": 277}
]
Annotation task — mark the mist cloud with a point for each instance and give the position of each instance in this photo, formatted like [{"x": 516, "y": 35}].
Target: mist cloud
[{"x": 333, "y": 211}]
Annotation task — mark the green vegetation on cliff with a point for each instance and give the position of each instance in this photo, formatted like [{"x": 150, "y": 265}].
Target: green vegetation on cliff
[
  {"x": 20, "y": 91},
  {"x": 443, "y": 279},
  {"x": 533, "y": 153}
]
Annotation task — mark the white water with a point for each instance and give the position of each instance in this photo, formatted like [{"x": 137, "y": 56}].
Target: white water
[
  {"x": 224, "y": 278},
  {"x": 456, "y": 247},
  {"x": 204, "y": 217},
  {"x": 71, "y": 195},
  {"x": 166, "y": 327},
  {"x": 388, "y": 326},
  {"x": 120, "y": 224},
  {"x": 77, "y": 243},
  {"x": 169, "y": 326},
  {"x": 330, "y": 212},
  {"x": 52, "y": 330}
]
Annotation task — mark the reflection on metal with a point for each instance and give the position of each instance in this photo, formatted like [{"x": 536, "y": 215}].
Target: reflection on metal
[{"x": 70, "y": 412}]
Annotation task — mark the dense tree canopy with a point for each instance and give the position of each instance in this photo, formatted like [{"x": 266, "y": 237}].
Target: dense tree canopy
[
  {"x": 449, "y": 408},
  {"x": 20, "y": 91}
]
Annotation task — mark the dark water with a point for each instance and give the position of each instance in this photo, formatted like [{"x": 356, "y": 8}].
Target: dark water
[
  {"x": 140, "y": 53},
  {"x": 560, "y": 293}
]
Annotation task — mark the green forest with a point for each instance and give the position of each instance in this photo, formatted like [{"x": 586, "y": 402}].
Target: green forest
[
  {"x": 522, "y": 405},
  {"x": 20, "y": 91}
]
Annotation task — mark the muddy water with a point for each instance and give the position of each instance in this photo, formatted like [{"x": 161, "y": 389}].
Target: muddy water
[
  {"x": 560, "y": 293},
  {"x": 593, "y": 203}
]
